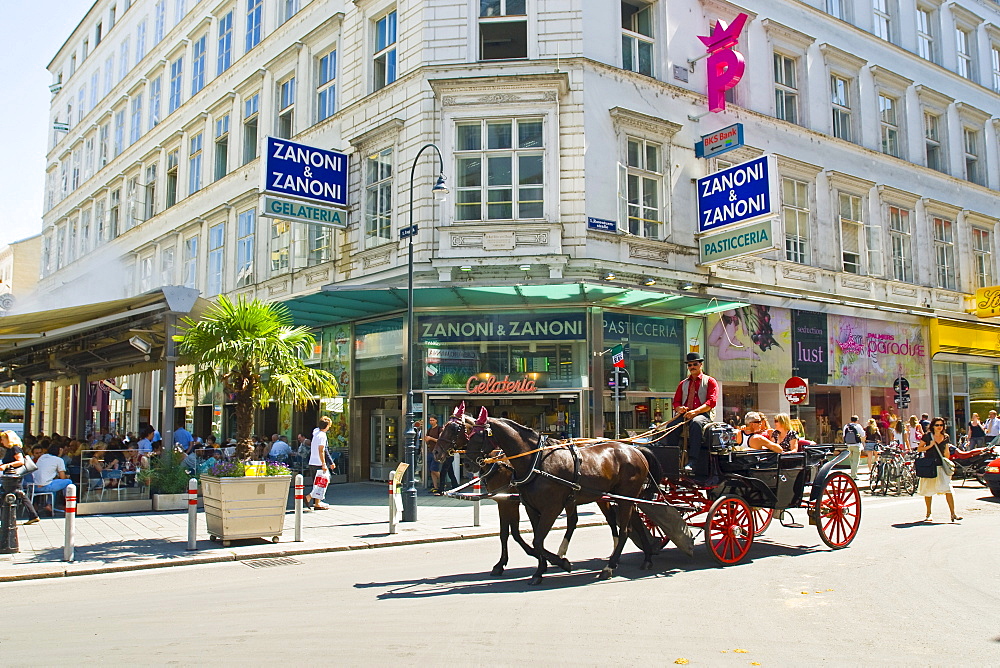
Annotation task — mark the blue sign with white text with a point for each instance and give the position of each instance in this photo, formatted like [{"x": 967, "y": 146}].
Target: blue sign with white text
[
  {"x": 601, "y": 224},
  {"x": 738, "y": 194},
  {"x": 305, "y": 172}
]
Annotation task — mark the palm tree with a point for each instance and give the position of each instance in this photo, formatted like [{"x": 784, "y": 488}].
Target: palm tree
[{"x": 257, "y": 354}]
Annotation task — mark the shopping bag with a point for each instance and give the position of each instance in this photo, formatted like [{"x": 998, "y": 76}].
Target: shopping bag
[{"x": 320, "y": 483}]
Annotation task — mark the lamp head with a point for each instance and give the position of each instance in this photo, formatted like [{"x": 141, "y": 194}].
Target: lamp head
[{"x": 440, "y": 190}]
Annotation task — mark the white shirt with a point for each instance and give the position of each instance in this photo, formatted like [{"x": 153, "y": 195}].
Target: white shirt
[
  {"x": 992, "y": 426},
  {"x": 319, "y": 439},
  {"x": 280, "y": 448},
  {"x": 49, "y": 467}
]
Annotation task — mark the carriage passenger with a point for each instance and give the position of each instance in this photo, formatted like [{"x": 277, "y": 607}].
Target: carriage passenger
[{"x": 755, "y": 433}]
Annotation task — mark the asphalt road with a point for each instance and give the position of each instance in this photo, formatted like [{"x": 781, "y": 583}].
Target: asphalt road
[{"x": 903, "y": 594}]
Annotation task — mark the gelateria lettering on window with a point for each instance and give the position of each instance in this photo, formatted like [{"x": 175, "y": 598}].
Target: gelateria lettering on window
[
  {"x": 725, "y": 64},
  {"x": 492, "y": 385}
]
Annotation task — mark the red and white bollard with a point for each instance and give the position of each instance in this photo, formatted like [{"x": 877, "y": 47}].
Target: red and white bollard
[
  {"x": 392, "y": 504},
  {"x": 477, "y": 489},
  {"x": 192, "y": 514},
  {"x": 70, "y": 522},
  {"x": 299, "y": 496}
]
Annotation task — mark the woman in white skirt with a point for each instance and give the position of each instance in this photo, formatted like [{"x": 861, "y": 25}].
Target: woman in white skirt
[{"x": 937, "y": 441}]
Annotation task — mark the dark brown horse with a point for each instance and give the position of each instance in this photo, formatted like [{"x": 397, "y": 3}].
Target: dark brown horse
[{"x": 550, "y": 479}]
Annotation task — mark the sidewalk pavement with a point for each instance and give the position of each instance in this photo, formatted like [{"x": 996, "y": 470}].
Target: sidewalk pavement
[{"x": 358, "y": 518}]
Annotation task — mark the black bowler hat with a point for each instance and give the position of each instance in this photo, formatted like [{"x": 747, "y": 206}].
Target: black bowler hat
[{"x": 695, "y": 357}]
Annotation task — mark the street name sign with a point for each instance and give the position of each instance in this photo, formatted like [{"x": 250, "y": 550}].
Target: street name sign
[
  {"x": 744, "y": 240},
  {"x": 305, "y": 212},
  {"x": 601, "y": 224},
  {"x": 738, "y": 194},
  {"x": 305, "y": 172}
]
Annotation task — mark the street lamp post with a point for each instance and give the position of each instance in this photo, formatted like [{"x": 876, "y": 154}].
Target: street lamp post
[{"x": 410, "y": 491}]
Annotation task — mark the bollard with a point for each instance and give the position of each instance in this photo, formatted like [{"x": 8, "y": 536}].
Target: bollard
[
  {"x": 477, "y": 489},
  {"x": 192, "y": 514},
  {"x": 392, "y": 505},
  {"x": 68, "y": 547},
  {"x": 299, "y": 488},
  {"x": 8, "y": 514}
]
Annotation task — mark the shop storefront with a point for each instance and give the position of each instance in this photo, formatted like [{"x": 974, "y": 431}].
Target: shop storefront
[{"x": 966, "y": 371}]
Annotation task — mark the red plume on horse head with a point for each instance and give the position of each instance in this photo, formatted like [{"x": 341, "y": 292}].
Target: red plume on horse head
[
  {"x": 459, "y": 412},
  {"x": 483, "y": 416}
]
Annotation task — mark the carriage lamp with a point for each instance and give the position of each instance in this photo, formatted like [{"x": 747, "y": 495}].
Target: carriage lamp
[
  {"x": 609, "y": 276},
  {"x": 648, "y": 281}
]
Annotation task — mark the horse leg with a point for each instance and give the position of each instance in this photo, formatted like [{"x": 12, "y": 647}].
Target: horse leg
[
  {"x": 572, "y": 517},
  {"x": 624, "y": 517},
  {"x": 609, "y": 514},
  {"x": 644, "y": 537},
  {"x": 505, "y": 527},
  {"x": 541, "y": 524}
]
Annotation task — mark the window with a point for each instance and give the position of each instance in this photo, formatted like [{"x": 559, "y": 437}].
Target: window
[
  {"x": 112, "y": 17},
  {"x": 194, "y": 163},
  {"x": 287, "y": 9},
  {"x": 995, "y": 59},
  {"x": 840, "y": 95},
  {"x": 500, "y": 170},
  {"x": 503, "y": 29},
  {"x": 81, "y": 104},
  {"x": 180, "y": 9},
  {"x": 216, "y": 238},
  {"x": 72, "y": 65},
  {"x": 378, "y": 198},
  {"x": 882, "y": 19},
  {"x": 246, "y": 226},
  {"x": 60, "y": 246},
  {"x": 281, "y": 242},
  {"x": 326, "y": 91},
  {"x": 637, "y": 37},
  {"x": 198, "y": 64},
  {"x": 95, "y": 80},
  {"x": 114, "y": 214},
  {"x": 88, "y": 157},
  {"x": 140, "y": 41},
  {"x": 99, "y": 225},
  {"x": 639, "y": 186},
  {"x": 786, "y": 94},
  {"x": 286, "y": 108},
  {"x": 190, "y": 268},
  {"x": 71, "y": 241},
  {"x": 889, "y": 125},
  {"x": 925, "y": 34},
  {"x": 254, "y": 14},
  {"x": 119, "y": 143},
  {"x": 172, "y": 160},
  {"x": 84, "y": 232},
  {"x": 145, "y": 274},
  {"x": 123, "y": 67},
  {"x": 46, "y": 261},
  {"x": 225, "y": 58},
  {"x": 159, "y": 20},
  {"x": 315, "y": 246},
  {"x": 167, "y": 266},
  {"x": 176, "y": 78},
  {"x": 851, "y": 229},
  {"x": 85, "y": 49},
  {"x": 109, "y": 74},
  {"x": 74, "y": 180},
  {"x": 150, "y": 195},
  {"x": 944, "y": 253},
  {"x": 932, "y": 141},
  {"x": 795, "y": 213},
  {"x": 135, "y": 129},
  {"x": 251, "y": 107},
  {"x": 155, "y": 89},
  {"x": 134, "y": 206},
  {"x": 982, "y": 256},
  {"x": 221, "y": 147},
  {"x": 902, "y": 244},
  {"x": 98, "y": 33},
  {"x": 385, "y": 50},
  {"x": 963, "y": 47},
  {"x": 974, "y": 171}
]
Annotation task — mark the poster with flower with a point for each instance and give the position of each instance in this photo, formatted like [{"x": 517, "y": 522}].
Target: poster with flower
[
  {"x": 874, "y": 353},
  {"x": 752, "y": 343}
]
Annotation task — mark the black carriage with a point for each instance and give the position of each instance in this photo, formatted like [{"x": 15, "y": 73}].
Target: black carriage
[{"x": 753, "y": 486}]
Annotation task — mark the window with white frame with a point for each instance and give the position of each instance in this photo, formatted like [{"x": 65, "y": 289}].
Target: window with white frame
[
  {"x": 965, "y": 66},
  {"x": 134, "y": 205},
  {"x": 225, "y": 45},
  {"x": 314, "y": 245},
  {"x": 795, "y": 214},
  {"x": 221, "y": 146},
  {"x": 146, "y": 274},
  {"x": 74, "y": 179},
  {"x": 98, "y": 33},
  {"x": 71, "y": 240},
  {"x": 60, "y": 247},
  {"x": 280, "y": 246},
  {"x": 640, "y": 182},
  {"x": 88, "y": 157},
  {"x": 889, "y": 124},
  {"x": 932, "y": 141},
  {"x": 119, "y": 141},
  {"x": 255, "y": 10},
  {"x": 838, "y": 9},
  {"x": 378, "y": 198},
  {"x": 194, "y": 162},
  {"x": 385, "y": 50},
  {"x": 140, "y": 41},
  {"x": 46, "y": 260},
  {"x": 103, "y": 144},
  {"x": 81, "y": 104},
  {"x": 216, "y": 255},
  {"x": 500, "y": 169},
  {"x": 287, "y": 9},
  {"x": 882, "y": 11},
  {"x": 94, "y": 92},
  {"x": 190, "y": 268},
  {"x": 974, "y": 172},
  {"x": 150, "y": 192},
  {"x": 85, "y": 232},
  {"x": 198, "y": 64},
  {"x": 326, "y": 88},
  {"x": 100, "y": 226},
  {"x": 503, "y": 29},
  {"x": 114, "y": 214},
  {"x": 852, "y": 239},
  {"x": 180, "y": 9},
  {"x": 637, "y": 36},
  {"x": 786, "y": 92},
  {"x": 176, "y": 80},
  {"x": 982, "y": 256},
  {"x": 251, "y": 109},
  {"x": 172, "y": 168},
  {"x": 840, "y": 97},
  {"x": 155, "y": 91},
  {"x": 159, "y": 20},
  {"x": 286, "y": 108},
  {"x": 123, "y": 66},
  {"x": 995, "y": 60},
  {"x": 944, "y": 253},
  {"x": 135, "y": 127},
  {"x": 901, "y": 240},
  {"x": 246, "y": 230},
  {"x": 926, "y": 43},
  {"x": 167, "y": 266}
]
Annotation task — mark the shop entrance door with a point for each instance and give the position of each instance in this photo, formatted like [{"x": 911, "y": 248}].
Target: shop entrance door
[
  {"x": 960, "y": 417},
  {"x": 384, "y": 442}
]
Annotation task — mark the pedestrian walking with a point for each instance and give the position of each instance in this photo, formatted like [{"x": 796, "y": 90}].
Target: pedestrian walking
[
  {"x": 317, "y": 462},
  {"x": 854, "y": 437},
  {"x": 935, "y": 445},
  {"x": 873, "y": 437},
  {"x": 914, "y": 431},
  {"x": 977, "y": 433}
]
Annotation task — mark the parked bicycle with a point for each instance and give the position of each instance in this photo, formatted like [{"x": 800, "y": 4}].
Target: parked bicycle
[{"x": 894, "y": 471}]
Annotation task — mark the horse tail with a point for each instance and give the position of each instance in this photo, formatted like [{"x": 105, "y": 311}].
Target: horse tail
[{"x": 655, "y": 472}]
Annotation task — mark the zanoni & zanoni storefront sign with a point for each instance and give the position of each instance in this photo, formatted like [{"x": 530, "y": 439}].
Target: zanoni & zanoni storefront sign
[{"x": 493, "y": 385}]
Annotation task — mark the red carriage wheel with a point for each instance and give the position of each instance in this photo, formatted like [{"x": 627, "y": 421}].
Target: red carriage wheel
[
  {"x": 761, "y": 519},
  {"x": 729, "y": 529},
  {"x": 837, "y": 514}
]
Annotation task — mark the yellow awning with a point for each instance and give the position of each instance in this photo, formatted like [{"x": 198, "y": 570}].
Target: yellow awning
[{"x": 964, "y": 338}]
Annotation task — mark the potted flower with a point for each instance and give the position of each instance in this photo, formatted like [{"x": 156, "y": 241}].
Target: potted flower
[
  {"x": 168, "y": 483},
  {"x": 253, "y": 350}
]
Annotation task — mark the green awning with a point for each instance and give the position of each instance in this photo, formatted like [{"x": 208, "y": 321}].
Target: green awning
[{"x": 338, "y": 303}]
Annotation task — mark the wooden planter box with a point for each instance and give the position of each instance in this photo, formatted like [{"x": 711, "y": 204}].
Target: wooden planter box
[{"x": 253, "y": 507}]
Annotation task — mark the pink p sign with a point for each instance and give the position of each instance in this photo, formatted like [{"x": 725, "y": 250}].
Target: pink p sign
[{"x": 725, "y": 64}]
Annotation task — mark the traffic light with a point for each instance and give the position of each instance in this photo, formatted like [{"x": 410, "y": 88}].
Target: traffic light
[{"x": 618, "y": 382}]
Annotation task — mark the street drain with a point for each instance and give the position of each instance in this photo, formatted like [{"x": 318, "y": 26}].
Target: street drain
[{"x": 271, "y": 563}]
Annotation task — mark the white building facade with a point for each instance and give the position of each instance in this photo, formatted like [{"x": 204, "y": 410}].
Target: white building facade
[{"x": 568, "y": 131}]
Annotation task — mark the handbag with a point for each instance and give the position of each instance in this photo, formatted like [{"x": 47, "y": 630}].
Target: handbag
[
  {"x": 948, "y": 466},
  {"x": 29, "y": 466},
  {"x": 925, "y": 467}
]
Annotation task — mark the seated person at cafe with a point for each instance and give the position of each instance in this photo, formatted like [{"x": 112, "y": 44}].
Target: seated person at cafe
[
  {"x": 190, "y": 462},
  {"x": 755, "y": 430},
  {"x": 280, "y": 450},
  {"x": 211, "y": 458},
  {"x": 51, "y": 475}
]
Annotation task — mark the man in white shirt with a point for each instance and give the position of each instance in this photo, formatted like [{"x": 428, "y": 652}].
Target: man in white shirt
[
  {"x": 317, "y": 456},
  {"x": 51, "y": 474},
  {"x": 280, "y": 450},
  {"x": 992, "y": 426}
]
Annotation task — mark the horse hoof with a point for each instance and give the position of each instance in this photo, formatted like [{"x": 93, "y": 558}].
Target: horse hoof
[
  {"x": 606, "y": 573},
  {"x": 566, "y": 565},
  {"x": 497, "y": 570},
  {"x": 646, "y": 566},
  {"x": 535, "y": 580}
]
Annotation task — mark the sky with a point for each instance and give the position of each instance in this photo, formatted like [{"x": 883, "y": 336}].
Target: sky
[{"x": 33, "y": 30}]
